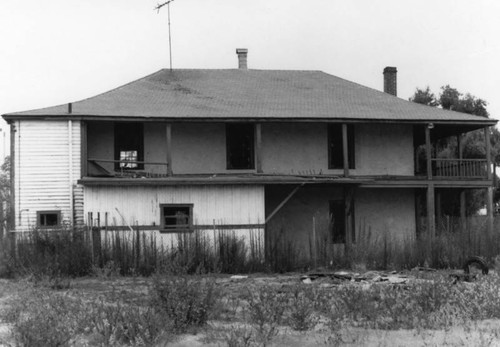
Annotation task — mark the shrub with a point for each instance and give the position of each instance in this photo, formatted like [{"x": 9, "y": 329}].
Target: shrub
[
  {"x": 186, "y": 302},
  {"x": 266, "y": 309}
]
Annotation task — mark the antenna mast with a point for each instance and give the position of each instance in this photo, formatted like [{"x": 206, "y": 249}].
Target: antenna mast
[{"x": 158, "y": 7}]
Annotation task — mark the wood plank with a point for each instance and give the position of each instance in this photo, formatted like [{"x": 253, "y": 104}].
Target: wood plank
[{"x": 289, "y": 196}]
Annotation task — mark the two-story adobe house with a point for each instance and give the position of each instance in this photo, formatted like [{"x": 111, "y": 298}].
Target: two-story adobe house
[{"x": 238, "y": 149}]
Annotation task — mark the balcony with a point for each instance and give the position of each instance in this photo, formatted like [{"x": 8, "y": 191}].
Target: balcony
[{"x": 460, "y": 168}]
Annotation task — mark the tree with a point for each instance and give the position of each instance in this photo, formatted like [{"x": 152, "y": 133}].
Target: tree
[
  {"x": 5, "y": 193},
  {"x": 425, "y": 97}
]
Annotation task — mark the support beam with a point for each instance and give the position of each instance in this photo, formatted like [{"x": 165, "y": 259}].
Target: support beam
[
  {"x": 83, "y": 149},
  {"x": 289, "y": 196},
  {"x": 487, "y": 147},
  {"x": 348, "y": 217},
  {"x": 428, "y": 151},
  {"x": 169, "y": 149},
  {"x": 431, "y": 213},
  {"x": 345, "y": 144},
  {"x": 463, "y": 213},
  {"x": 258, "y": 147},
  {"x": 439, "y": 212},
  {"x": 489, "y": 209}
]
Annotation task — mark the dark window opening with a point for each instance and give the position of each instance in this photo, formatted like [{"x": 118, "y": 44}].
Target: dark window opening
[
  {"x": 338, "y": 222},
  {"x": 176, "y": 218},
  {"x": 240, "y": 146},
  {"x": 336, "y": 146},
  {"x": 129, "y": 146},
  {"x": 47, "y": 219}
]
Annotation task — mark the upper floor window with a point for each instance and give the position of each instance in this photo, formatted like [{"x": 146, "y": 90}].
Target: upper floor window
[
  {"x": 129, "y": 146},
  {"x": 336, "y": 146},
  {"x": 240, "y": 146}
]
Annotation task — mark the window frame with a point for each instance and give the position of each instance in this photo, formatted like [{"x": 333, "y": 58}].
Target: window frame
[
  {"x": 39, "y": 215},
  {"x": 135, "y": 129},
  {"x": 229, "y": 134},
  {"x": 350, "y": 146},
  {"x": 164, "y": 229}
]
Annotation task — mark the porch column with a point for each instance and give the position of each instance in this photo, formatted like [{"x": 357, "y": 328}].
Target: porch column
[
  {"x": 83, "y": 149},
  {"x": 345, "y": 149},
  {"x": 463, "y": 216},
  {"x": 348, "y": 201},
  {"x": 431, "y": 213},
  {"x": 169, "y": 149},
  {"x": 489, "y": 197},
  {"x": 258, "y": 147},
  {"x": 439, "y": 212},
  {"x": 428, "y": 151},
  {"x": 489, "y": 209},
  {"x": 431, "y": 208}
]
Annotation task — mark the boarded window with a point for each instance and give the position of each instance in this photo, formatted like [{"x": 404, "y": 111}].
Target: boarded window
[
  {"x": 240, "y": 146},
  {"x": 48, "y": 219},
  {"x": 336, "y": 146},
  {"x": 176, "y": 218},
  {"x": 129, "y": 146}
]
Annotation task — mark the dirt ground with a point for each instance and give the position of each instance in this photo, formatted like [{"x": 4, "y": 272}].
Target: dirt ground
[{"x": 480, "y": 333}]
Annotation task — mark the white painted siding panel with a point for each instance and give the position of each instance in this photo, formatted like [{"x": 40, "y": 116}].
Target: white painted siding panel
[
  {"x": 140, "y": 205},
  {"x": 43, "y": 168}
]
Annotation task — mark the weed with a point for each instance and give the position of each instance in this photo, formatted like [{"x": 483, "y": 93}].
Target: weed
[
  {"x": 186, "y": 302},
  {"x": 266, "y": 307},
  {"x": 301, "y": 306}
]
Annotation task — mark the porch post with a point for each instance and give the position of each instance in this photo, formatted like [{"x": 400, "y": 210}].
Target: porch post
[
  {"x": 463, "y": 216},
  {"x": 258, "y": 147},
  {"x": 489, "y": 209},
  {"x": 345, "y": 150},
  {"x": 489, "y": 197},
  {"x": 83, "y": 149},
  {"x": 169, "y": 149},
  {"x": 487, "y": 145},
  {"x": 428, "y": 151},
  {"x": 431, "y": 213},
  {"x": 439, "y": 212}
]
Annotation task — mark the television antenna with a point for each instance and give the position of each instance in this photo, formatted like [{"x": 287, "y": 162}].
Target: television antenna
[{"x": 157, "y": 8}]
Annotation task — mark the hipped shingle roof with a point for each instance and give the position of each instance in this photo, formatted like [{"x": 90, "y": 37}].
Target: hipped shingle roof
[{"x": 249, "y": 94}]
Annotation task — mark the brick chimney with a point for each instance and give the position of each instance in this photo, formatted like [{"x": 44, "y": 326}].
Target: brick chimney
[
  {"x": 391, "y": 80},
  {"x": 242, "y": 58}
]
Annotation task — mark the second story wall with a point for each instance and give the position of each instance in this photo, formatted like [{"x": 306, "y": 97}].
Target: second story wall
[
  {"x": 287, "y": 148},
  {"x": 384, "y": 149}
]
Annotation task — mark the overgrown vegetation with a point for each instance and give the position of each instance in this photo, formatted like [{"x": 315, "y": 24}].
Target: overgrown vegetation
[
  {"x": 264, "y": 314},
  {"x": 53, "y": 255}
]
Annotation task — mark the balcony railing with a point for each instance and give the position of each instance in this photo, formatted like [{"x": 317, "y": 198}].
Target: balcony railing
[{"x": 460, "y": 168}]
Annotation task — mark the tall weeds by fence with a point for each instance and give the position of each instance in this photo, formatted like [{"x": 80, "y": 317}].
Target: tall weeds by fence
[{"x": 84, "y": 252}]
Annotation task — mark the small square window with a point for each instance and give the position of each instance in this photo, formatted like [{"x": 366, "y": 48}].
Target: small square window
[
  {"x": 176, "y": 218},
  {"x": 48, "y": 219}
]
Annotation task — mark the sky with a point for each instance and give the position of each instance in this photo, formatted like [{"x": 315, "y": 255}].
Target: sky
[{"x": 59, "y": 51}]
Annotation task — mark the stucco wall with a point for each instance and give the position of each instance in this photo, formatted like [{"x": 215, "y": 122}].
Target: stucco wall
[
  {"x": 380, "y": 149},
  {"x": 294, "y": 221},
  {"x": 199, "y": 148},
  {"x": 384, "y": 213},
  {"x": 384, "y": 149},
  {"x": 378, "y": 213},
  {"x": 294, "y": 148}
]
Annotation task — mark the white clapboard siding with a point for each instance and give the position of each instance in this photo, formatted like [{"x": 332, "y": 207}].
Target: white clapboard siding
[
  {"x": 228, "y": 204},
  {"x": 43, "y": 175}
]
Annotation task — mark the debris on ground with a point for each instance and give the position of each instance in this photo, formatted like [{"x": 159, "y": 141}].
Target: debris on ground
[{"x": 339, "y": 277}]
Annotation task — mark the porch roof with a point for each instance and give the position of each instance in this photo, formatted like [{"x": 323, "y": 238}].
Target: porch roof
[{"x": 261, "y": 95}]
